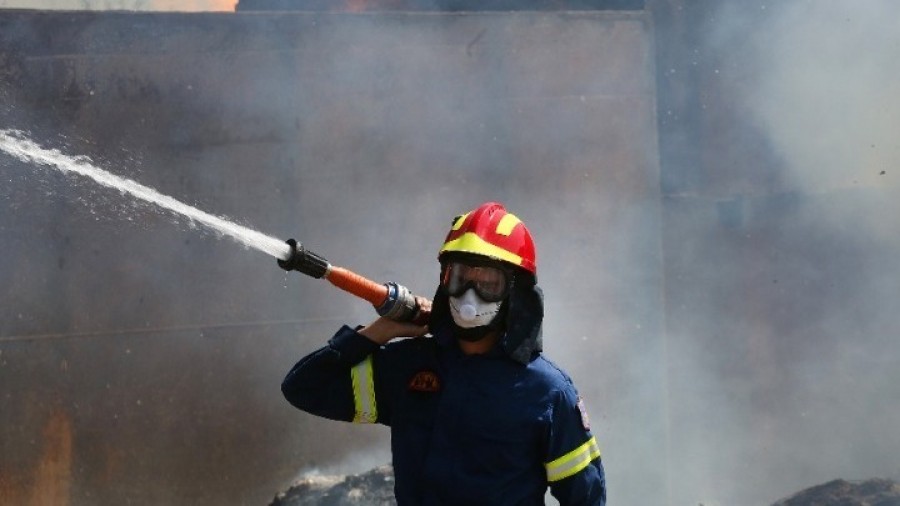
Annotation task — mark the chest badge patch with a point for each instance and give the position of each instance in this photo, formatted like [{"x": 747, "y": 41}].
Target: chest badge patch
[{"x": 425, "y": 381}]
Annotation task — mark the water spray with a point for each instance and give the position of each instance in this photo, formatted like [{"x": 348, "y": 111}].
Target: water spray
[{"x": 389, "y": 299}]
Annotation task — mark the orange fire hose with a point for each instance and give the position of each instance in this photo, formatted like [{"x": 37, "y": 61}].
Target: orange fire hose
[
  {"x": 390, "y": 299},
  {"x": 362, "y": 287}
]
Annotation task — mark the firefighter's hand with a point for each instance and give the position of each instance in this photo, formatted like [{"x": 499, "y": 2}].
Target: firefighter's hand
[
  {"x": 384, "y": 329},
  {"x": 424, "y": 313}
]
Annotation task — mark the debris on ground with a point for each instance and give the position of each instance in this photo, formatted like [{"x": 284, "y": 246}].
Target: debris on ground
[
  {"x": 376, "y": 488},
  {"x": 372, "y": 488},
  {"x": 876, "y": 492}
]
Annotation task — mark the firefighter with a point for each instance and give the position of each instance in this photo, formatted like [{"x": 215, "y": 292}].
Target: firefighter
[{"x": 477, "y": 414}]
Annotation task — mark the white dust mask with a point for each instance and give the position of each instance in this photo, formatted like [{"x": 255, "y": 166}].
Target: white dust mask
[{"x": 469, "y": 311}]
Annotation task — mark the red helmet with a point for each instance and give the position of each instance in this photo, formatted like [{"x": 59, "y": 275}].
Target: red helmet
[{"x": 492, "y": 232}]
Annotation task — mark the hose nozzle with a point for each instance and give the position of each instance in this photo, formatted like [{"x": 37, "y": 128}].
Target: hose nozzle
[{"x": 304, "y": 260}]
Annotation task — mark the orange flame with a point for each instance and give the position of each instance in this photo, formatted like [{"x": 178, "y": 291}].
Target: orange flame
[{"x": 193, "y": 5}]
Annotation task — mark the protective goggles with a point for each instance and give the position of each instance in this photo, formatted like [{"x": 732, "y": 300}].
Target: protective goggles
[{"x": 492, "y": 284}]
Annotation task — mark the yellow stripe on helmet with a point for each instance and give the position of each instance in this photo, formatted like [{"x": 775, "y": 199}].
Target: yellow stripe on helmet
[
  {"x": 507, "y": 223},
  {"x": 458, "y": 222},
  {"x": 471, "y": 243}
]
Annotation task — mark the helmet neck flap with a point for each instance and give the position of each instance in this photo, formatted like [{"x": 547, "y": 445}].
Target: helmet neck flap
[{"x": 519, "y": 320}]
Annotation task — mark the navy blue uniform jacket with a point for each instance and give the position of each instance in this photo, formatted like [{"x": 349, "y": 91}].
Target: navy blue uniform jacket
[{"x": 465, "y": 429}]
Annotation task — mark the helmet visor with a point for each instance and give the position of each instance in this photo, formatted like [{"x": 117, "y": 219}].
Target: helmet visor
[{"x": 490, "y": 283}]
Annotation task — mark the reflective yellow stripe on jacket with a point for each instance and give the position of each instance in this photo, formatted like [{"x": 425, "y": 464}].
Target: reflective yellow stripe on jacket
[
  {"x": 573, "y": 462},
  {"x": 363, "y": 377}
]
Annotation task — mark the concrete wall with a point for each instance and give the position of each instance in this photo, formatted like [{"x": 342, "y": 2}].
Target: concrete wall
[{"x": 140, "y": 358}]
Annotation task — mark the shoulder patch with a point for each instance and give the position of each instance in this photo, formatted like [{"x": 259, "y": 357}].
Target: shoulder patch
[
  {"x": 585, "y": 421},
  {"x": 425, "y": 381}
]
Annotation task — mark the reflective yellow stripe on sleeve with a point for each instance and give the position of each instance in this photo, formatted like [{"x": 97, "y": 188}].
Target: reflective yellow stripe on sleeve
[
  {"x": 363, "y": 377},
  {"x": 573, "y": 462}
]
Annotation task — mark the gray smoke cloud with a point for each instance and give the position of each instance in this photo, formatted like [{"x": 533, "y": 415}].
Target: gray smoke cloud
[
  {"x": 364, "y": 136},
  {"x": 785, "y": 370},
  {"x": 768, "y": 365}
]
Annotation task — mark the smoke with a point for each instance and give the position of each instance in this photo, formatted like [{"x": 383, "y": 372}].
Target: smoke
[
  {"x": 364, "y": 135},
  {"x": 783, "y": 349},
  {"x": 826, "y": 98}
]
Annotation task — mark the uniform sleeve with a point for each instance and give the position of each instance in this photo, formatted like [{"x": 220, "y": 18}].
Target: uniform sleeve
[
  {"x": 574, "y": 469},
  {"x": 338, "y": 380}
]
